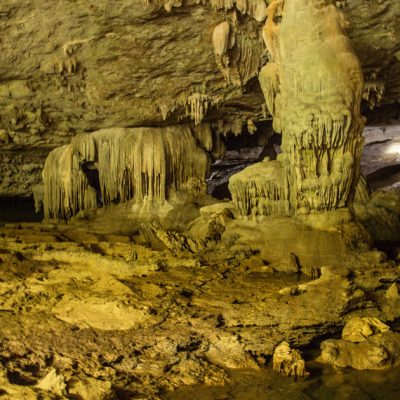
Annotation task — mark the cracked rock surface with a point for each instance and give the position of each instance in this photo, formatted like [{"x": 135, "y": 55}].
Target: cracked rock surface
[{"x": 100, "y": 314}]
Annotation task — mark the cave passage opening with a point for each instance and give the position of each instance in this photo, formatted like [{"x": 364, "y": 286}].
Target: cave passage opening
[{"x": 241, "y": 151}]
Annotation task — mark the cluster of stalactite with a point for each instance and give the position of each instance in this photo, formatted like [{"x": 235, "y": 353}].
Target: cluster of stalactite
[
  {"x": 313, "y": 87},
  {"x": 144, "y": 164},
  {"x": 255, "y": 8}
]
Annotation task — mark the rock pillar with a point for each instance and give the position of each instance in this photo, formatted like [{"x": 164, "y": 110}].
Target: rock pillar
[{"x": 312, "y": 87}]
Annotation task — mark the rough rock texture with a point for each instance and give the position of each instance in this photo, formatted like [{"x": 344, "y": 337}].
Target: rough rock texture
[
  {"x": 313, "y": 89},
  {"x": 117, "y": 165},
  {"x": 80, "y": 66},
  {"x": 98, "y": 314},
  {"x": 367, "y": 344},
  {"x": 261, "y": 189},
  {"x": 379, "y": 212},
  {"x": 288, "y": 361},
  {"x": 381, "y": 158}
]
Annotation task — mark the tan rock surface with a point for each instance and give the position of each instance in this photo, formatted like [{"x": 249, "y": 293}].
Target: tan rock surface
[{"x": 82, "y": 66}]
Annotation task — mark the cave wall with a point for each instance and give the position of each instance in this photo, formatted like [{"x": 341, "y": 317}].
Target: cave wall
[{"x": 77, "y": 66}]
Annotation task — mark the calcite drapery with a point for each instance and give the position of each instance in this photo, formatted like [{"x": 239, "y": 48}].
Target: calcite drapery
[
  {"x": 261, "y": 189},
  {"x": 137, "y": 163},
  {"x": 313, "y": 87}
]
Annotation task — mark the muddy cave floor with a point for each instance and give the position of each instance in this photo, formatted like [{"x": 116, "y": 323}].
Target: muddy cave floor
[{"x": 87, "y": 315}]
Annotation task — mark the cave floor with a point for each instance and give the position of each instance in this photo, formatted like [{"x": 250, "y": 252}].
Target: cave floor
[{"x": 88, "y": 315}]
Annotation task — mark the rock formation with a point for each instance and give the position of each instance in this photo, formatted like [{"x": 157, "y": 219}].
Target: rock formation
[
  {"x": 143, "y": 164},
  {"x": 367, "y": 344},
  {"x": 313, "y": 87},
  {"x": 145, "y": 280},
  {"x": 133, "y": 64},
  {"x": 288, "y": 361}
]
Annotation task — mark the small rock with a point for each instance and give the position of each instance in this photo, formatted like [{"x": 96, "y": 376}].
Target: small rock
[
  {"x": 379, "y": 351},
  {"x": 359, "y": 329},
  {"x": 288, "y": 361},
  {"x": 393, "y": 292},
  {"x": 53, "y": 382},
  {"x": 329, "y": 272},
  {"x": 288, "y": 264},
  {"x": 312, "y": 272},
  {"x": 89, "y": 389},
  {"x": 289, "y": 291}
]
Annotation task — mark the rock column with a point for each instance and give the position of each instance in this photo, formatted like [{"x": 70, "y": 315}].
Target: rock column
[{"x": 313, "y": 87}]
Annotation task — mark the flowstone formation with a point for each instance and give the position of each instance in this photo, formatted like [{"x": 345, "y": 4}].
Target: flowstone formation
[
  {"x": 117, "y": 165},
  {"x": 313, "y": 88}
]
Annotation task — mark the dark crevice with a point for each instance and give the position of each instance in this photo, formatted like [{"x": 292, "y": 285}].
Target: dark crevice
[
  {"x": 241, "y": 151},
  {"x": 18, "y": 209},
  {"x": 92, "y": 174}
]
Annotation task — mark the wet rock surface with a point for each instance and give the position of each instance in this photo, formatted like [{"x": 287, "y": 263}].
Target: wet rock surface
[{"x": 94, "y": 313}]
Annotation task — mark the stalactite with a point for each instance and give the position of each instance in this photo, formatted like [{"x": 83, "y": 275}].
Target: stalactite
[
  {"x": 198, "y": 106},
  {"x": 255, "y": 8},
  {"x": 220, "y": 38},
  {"x": 204, "y": 134},
  {"x": 167, "y": 4},
  {"x": 220, "y": 41},
  {"x": 139, "y": 163},
  {"x": 373, "y": 93},
  {"x": 245, "y": 60},
  {"x": 269, "y": 82},
  {"x": 233, "y": 126},
  {"x": 66, "y": 187}
]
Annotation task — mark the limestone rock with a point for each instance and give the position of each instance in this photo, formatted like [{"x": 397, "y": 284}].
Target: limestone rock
[
  {"x": 211, "y": 224},
  {"x": 359, "y": 329},
  {"x": 288, "y": 361},
  {"x": 221, "y": 38},
  {"x": 379, "y": 351},
  {"x": 116, "y": 165},
  {"x": 322, "y": 139},
  {"x": 379, "y": 211},
  {"x": 53, "y": 382},
  {"x": 261, "y": 189},
  {"x": 137, "y": 63},
  {"x": 227, "y": 351},
  {"x": 393, "y": 292},
  {"x": 289, "y": 264},
  {"x": 89, "y": 389}
]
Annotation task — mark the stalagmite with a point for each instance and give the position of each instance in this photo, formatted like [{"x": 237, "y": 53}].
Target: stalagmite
[
  {"x": 313, "y": 86},
  {"x": 288, "y": 361},
  {"x": 138, "y": 163}
]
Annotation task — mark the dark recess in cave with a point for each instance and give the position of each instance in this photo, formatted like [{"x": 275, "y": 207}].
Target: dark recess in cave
[
  {"x": 92, "y": 174},
  {"x": 18, "y": 209},
  {"x": 385, "y": 115},
  {"x": 241, "y": 151}
]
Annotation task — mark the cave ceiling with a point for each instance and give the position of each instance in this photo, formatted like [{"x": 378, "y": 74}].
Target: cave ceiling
[{"x": 76, "y": 66}]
